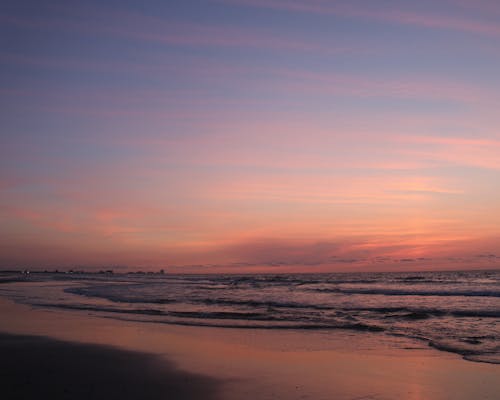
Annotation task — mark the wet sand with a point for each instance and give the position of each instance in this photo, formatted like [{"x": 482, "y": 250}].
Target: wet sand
[
  {"x": 234, "y": 364},
  {"x": 39, "y": 367}
]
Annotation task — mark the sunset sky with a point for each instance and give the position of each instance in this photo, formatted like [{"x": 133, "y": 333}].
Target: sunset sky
[{"x": 250, "y": 135}]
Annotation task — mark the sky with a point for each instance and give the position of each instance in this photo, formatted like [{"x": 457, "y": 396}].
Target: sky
[{"x": 250, "y": 135}]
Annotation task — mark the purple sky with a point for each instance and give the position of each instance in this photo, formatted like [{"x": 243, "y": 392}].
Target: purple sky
[{"x": 250, "y": 135}]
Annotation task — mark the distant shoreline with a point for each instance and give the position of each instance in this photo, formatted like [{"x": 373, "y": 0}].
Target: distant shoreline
[{"x": 164, "y": 272}]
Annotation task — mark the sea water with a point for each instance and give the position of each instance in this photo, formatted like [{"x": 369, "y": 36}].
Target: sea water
[{"x": 452, "y": 311}]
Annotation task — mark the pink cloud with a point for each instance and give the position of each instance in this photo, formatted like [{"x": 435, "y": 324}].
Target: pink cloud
[
  {"x": 388, "y": 15},
  {"x": 475, "y": 152},
  {"x": 485, "y": 7},
  {"x": 402, "y": 87},
  {"x": 302, "y": 188},
  {"x": 41, "y": 219},
  {"x": 455, "y": 141}
]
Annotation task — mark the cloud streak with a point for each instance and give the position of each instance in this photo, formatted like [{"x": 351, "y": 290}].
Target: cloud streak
[
  {"x": 400, "y": 17},
  {"x": 135, "y": 26}
]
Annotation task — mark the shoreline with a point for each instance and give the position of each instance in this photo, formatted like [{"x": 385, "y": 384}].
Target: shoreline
[{"x": 272, "y": 364}]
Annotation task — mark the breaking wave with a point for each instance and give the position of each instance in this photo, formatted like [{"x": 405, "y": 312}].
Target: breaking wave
[{"x": 452, "y": 311}]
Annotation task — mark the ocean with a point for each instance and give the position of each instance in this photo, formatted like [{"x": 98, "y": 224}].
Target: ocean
[{"x": 457, "y": 312}]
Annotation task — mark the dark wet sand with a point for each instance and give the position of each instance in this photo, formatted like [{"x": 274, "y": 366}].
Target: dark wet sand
[{"x": 41, "y": 368}]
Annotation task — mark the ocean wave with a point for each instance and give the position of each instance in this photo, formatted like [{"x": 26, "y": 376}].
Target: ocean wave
[
  {"x": 410, "y": 313},
  {"x": 264, "y": 303},
  {"x": 142, "y": 311},
  {"x": 187, "y": 317},
  {"x": 423, "y": 313},
  {"x": 109, "y": 293},
  {"x": 404, "y": 292},
  {"x": 453, "y": 348},
  {"x": 283, "y": 325}
]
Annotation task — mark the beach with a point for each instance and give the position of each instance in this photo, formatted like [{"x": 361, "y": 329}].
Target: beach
[
  {"x": 177, "y": 362},
  {"x": 40, "y": 367}
]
